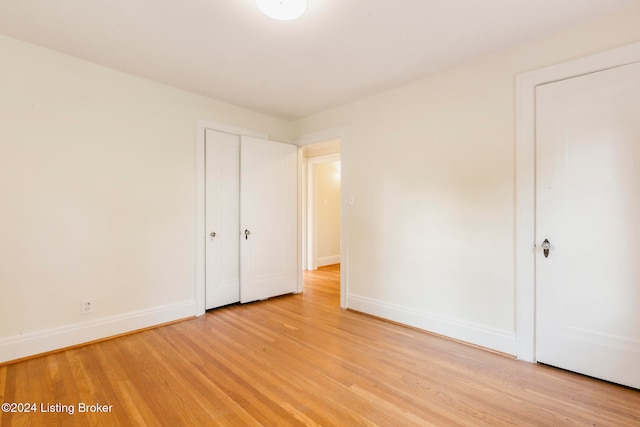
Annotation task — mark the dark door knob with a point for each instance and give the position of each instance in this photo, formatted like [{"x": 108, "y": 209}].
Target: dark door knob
[{"x": 545, "y": 247}]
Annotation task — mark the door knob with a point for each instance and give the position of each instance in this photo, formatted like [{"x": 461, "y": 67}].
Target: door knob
[
  {"x": 246, "y": 234},
  {"x": 546, "y": 245}
]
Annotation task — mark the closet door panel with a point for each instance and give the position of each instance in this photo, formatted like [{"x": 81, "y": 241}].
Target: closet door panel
[
  {"x": 268, "y": 219},
  {"x": 222, "y": 218}
]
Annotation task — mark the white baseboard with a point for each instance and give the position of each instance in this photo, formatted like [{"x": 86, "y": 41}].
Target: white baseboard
[
  {"x": 493, "y": 339},
  {"x": 43, "y": 341},
  {"x": 328, "y": 260}
]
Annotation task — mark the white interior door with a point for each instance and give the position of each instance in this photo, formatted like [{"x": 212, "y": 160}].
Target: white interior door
[
  {"x": 588, "y": 207},
  {"x": 268, "y": 218},
  {"x": 222, "y": 218}
]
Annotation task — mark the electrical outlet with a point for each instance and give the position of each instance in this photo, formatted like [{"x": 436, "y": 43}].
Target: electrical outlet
[{"x": 86, "y": 306}]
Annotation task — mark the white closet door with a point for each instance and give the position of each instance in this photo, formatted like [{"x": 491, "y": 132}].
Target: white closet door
[
  {"x": 222, "y": 218},
  {"x": 588, "y": 207},
  {"x": 268, "y": 212}
]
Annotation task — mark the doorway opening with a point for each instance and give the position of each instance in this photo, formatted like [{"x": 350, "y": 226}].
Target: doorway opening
[{"x": 321, "y": 246}]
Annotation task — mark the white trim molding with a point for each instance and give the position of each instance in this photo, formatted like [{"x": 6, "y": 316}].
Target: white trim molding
[
  {"x": 47, "y": 340},
  {"x": 525, "y": 177},
  {"x": 338, "y": 132},
  {"x": 502, "y": 341},
  {"x": 328, "y": 260}
]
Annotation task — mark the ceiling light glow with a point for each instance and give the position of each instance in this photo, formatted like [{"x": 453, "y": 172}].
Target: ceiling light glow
[{"x": 283, "y": 10}]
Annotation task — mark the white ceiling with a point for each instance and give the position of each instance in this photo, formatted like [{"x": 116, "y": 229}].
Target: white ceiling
[{"x": 339, "y": 51}]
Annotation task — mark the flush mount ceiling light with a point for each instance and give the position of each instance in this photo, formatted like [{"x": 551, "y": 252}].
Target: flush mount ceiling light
[{"x": 283, "y": 10}]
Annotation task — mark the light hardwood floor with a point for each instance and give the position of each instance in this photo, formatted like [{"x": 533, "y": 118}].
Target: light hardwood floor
[{"x": 300, "y": 360}]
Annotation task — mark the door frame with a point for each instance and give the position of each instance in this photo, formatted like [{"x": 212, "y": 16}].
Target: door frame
[
  {"x": 340, "y": 133},
  {"x": 202, "y": 124},
  {"x": 525, "y": 245},
  {"x": 311, "y": 255}
]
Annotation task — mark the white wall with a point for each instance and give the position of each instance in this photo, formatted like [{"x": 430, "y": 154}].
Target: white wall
[
  {"x": 97, "y": 195},
  {"x": 432, "y": 169}
]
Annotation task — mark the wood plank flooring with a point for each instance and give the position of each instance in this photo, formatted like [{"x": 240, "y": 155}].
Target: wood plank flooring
[{"x": 300, "y": 360}]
